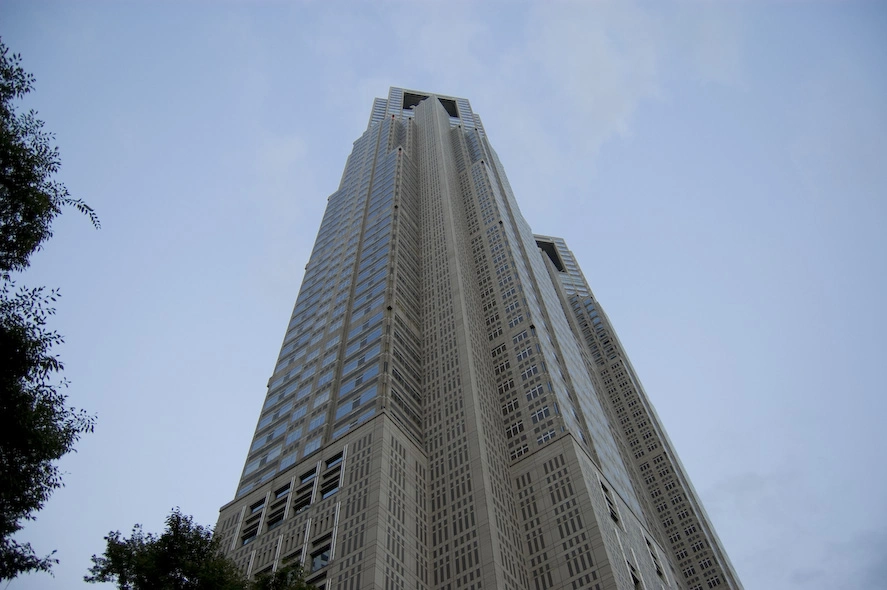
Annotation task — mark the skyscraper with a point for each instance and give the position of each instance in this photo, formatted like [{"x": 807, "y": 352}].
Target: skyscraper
[{"x": 451, "y": 408}]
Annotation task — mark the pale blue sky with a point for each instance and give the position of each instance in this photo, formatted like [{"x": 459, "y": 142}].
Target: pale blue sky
[{"x": 719, "y": 170}]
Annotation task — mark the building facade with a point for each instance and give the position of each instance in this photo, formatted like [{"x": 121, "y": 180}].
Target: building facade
[{"x": 451, "y": 408}]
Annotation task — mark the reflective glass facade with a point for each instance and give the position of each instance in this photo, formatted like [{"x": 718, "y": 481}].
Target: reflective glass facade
[{"x": 437, "y": 417}]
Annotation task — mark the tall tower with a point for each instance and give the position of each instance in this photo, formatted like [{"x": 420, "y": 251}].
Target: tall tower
[{"x": 438, "y": 416}]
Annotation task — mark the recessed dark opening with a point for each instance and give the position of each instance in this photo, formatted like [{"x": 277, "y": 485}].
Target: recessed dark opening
[
  {"x": 450, "y": 106},
  {"x": 551, "y": 251},
  {"x": 410, "y": 100}
]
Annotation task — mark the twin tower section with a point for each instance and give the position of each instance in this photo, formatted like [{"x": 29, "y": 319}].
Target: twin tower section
[{"x": 441, "y": 413}]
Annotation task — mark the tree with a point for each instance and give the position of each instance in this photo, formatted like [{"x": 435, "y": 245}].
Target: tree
[
  {"x": 30, "y": 198},
  {"x": 290, "y": 577},
  {"x": 36, "y": 426},
  {"x": 184, "y": 557}
]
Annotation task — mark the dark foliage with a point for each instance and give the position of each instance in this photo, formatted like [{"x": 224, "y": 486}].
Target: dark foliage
[
  {"x": 184, "y": 557},
  {"x": 30, "y": 198},
  {"x": 289, "y": 577},
  {"x": 36, "y": 426}
]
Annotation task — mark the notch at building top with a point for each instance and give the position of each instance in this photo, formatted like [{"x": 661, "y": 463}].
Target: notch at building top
[
  {"x": 401, "y": 103},
  {"x": 411, "y": 99}
]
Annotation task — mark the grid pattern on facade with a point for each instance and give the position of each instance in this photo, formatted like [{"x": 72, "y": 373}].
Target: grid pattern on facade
[
  {"x": 437, "y": 416},
  {"x": 459, "y": 422},
  {"x": 669, "y": 499},
  {"x": 578, "y": 532}
]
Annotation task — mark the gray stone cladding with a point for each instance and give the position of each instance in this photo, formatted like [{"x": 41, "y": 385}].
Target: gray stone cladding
[{"x": 435, "y": 419}]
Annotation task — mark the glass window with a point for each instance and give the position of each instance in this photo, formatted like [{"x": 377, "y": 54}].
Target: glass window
[
  {"x": 289, "y": 389},
  {"x": 370, "y": 372},
  {"x": 316, "y": 422},
  {"x": 294, "y": 435},
  {"x": 275, "y": 522},
  {"x": 288, "y": 460},
  {"x": 271, "y": 401},
  {"x": 312, "y": 446},
  {"x": 346, "y": 408},
  {"x": 349, "y": 386},
  {"x": 251, "y": 467},
  {"x": 320, "y": 558},
  {"x": 324, "y": 379}
]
